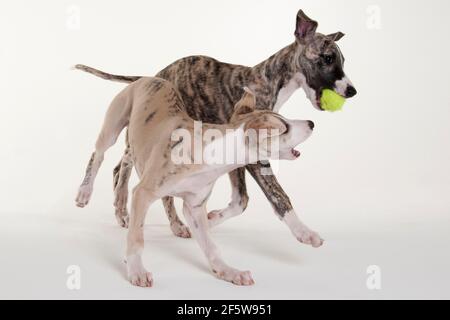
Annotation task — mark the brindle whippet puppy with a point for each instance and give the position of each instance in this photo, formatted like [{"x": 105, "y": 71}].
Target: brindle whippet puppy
[
  {"x": 153, "y": 110},
  {"x": 210, "y": 89}
]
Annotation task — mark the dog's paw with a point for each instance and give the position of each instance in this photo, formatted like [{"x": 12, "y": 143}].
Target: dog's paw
[
  {"x": 122, "y": 217},
  {"x": 237, "y": 277},
  {"x": 137, "y": 274},
  {"x": 180, "y": 230},
  {"x": 141, "y": 279},
  {"x": 83, "y": 196},
  {"x": 307, "y": 236}
]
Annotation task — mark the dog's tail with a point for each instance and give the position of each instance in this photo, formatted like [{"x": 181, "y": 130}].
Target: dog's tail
[{"x": 106, "y": 76}]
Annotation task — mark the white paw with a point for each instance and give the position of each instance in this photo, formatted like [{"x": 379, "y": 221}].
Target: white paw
[
  {"x": 122, "y": 218},
  {"x": 83, "y": 196},
  {"x": 141, "y": 279},
  {"x": 307, "y": 236},
  {"x": 237, "y": 277},
  {"x": 180, "y": 230},
  {"x": 137, "y": 274}
]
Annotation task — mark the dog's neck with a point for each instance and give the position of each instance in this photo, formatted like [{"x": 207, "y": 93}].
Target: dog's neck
[{"x": 276, "y": 78}]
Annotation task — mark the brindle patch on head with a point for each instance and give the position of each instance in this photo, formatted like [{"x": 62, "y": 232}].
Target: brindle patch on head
[{"x": 322, "y": 63}]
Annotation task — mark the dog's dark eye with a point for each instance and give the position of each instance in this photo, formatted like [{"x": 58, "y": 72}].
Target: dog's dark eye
[{"x": 328, "y": 59}]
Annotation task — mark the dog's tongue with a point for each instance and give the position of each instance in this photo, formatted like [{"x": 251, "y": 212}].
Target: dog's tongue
[{"x": 295, "y": 153}]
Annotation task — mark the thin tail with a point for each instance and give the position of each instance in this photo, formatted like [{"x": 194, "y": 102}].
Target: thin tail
[{"x": 106, "y": 76}]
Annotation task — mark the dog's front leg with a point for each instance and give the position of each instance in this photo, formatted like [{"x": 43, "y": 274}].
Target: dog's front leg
[
  {"x": 265, "y": 178},
  {"x": 239, "y": 199},
  {"x": 137, "y": 274},
  {"x": 197, "y": 220}
]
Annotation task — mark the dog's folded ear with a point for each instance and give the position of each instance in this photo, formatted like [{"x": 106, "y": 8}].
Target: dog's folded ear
[
  {"x": 305, "y": 27},
  {"x": 272, "y": 124},
  {"x": 246, "y": 104},
  {"x": 336, "y": 36}
]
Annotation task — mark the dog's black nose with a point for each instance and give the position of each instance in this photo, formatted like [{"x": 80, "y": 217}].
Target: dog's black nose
[
  {"x": 310, "y": 124},
  {"x": 350, "y": 92}
]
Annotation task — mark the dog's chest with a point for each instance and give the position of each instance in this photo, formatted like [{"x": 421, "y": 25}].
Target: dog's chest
[
  {"x": 197, "y": 182},
  {"x": 286, "y": 91}
]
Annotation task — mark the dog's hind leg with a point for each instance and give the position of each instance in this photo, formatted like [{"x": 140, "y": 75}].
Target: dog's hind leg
[
  {"x": 121, "y": 176},
  {"x": 239, "y": 199},
  {"x": 116, "y": 119},
  {"x": 122, "y": 173},
  {"x": 176, "y": 225},
  {"x": 137, "y": 274}
]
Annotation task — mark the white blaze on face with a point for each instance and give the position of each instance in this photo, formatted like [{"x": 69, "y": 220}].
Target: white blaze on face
[{"x": 341, "y": 86}]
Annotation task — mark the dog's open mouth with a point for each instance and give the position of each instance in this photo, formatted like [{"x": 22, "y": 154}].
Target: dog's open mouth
[{"x": 295, "y": 153}]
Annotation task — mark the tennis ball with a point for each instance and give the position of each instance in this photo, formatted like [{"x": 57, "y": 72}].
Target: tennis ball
[{"x": 331, "y": 101}]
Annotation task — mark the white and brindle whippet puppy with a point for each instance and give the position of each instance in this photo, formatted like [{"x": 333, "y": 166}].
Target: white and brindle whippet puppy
[{"x": 154, "y": 111}]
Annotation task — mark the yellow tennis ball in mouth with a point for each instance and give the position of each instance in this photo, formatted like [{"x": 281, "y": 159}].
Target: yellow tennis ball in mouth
[{"x": 331, "y": 101}]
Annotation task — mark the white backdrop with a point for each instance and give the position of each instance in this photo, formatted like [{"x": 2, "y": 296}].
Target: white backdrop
[{"x": 373, "y": 179}]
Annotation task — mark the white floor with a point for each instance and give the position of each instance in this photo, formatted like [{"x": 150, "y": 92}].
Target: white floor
[{"x": 37, "y": 249}]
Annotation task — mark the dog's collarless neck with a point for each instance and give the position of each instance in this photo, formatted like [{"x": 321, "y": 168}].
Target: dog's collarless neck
[{"x": 276, "y": 78}]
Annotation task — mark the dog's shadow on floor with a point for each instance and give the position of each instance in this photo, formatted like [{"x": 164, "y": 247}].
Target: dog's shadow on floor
[
  {"x": 256, "y": 242},
  {"x": 252, "y": 242},
  {"x": 175, "y": 247}
]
